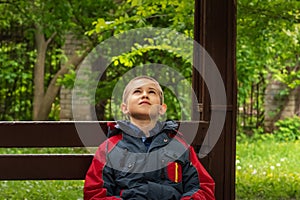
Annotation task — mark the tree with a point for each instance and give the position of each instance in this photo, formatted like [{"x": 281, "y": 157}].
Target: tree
[
  {"x": 49, "y": 22},
  {"x": 267, "y": 44},
  {"x": 176, "y": 15}
]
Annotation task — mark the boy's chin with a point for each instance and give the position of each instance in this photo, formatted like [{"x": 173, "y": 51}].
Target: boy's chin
[{"x": 146, "y": 117}]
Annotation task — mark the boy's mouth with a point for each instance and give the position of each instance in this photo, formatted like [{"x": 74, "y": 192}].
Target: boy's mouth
[{"x": 145, "y": 102}]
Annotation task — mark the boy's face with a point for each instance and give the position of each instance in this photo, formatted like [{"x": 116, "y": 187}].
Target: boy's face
[{"x": 144, "y": 101}]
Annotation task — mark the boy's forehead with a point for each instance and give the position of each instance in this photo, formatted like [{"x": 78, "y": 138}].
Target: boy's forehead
[{"x": 144, "y": 83}]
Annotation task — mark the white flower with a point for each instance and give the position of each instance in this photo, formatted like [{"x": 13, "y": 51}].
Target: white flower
[
  {"x": 278, "y": 164},
  {"x": 282, "y": 159},
  {"x": 254, "y": 172},
  {"x": 238, "y": 167},
  {"x": 250, "y": 166},
  {"x": 237, "y": 162},
  {"x": 272, "y": 167}
]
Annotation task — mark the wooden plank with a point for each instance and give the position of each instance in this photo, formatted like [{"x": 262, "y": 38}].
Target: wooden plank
[
  {"x": 51, "y": 134},
  {"x": 44, "y": 167},
  {"x": 66, "y": 134}
]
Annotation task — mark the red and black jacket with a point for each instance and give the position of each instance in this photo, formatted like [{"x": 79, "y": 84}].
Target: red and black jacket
[{"x": 163, "y": 166}]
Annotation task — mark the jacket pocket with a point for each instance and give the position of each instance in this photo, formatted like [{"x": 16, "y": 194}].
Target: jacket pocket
[{"x": 174, "y": 171}]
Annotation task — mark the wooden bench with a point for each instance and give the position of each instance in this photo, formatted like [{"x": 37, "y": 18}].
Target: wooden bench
[{"x": 49, "y": 135}]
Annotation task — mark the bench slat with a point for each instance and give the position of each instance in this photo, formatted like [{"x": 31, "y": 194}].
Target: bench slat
[
  {"x": 65, "y": 134},
  {"x": 51, "y": 134},
  {"x": 44, "y": 166}
]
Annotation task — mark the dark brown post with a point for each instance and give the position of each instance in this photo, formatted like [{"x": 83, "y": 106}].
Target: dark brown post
[{"x": 215, "y": 30}]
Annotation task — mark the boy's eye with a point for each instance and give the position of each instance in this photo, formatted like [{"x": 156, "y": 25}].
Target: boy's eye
[
  {"x": 136, "y": 91},
  {"x": 152, "y": 91}
]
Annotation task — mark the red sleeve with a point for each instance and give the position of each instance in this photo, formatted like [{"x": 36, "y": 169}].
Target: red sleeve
[
  {"x": 94, "y": 182},
  {"x": 207, "y": 185}
]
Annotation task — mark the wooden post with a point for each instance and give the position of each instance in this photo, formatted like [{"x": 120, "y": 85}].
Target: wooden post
[{"x": 215, "y": 30}]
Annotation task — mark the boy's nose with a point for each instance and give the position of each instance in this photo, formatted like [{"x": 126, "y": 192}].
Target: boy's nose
[{"x": 145, "y": 94}]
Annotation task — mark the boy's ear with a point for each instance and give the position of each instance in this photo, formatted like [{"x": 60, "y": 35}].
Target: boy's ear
[
  {"x": 124, "y": 108},
  {"x": 162, "y": 109}
]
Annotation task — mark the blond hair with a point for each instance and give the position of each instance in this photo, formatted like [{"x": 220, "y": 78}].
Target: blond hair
[{"x": 129, "y": 87}]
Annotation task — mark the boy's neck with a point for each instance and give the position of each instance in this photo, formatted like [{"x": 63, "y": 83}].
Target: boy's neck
[{"x": 145, "y": 125}]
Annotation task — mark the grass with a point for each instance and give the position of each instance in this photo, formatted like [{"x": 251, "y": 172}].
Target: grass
[
  {"x": 41, "y": 190},
  {"x": 267, "y": 169}
]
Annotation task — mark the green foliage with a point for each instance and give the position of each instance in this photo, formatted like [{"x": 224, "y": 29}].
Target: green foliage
[
  {"x": 68, "y": 79},
  {"x": 15, "y": 81},
  {"x": 132, "y": 14},
  {"x": 267, "y": 49},
  {"x": 54, "y": 115},
  {"x": 267, "y": 169},
  {"x": 288, "y": 129},
  {"x": 54, "y": 18}
]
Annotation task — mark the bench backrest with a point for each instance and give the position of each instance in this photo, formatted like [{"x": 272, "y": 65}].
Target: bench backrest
[{"x": 53, "y": 134}]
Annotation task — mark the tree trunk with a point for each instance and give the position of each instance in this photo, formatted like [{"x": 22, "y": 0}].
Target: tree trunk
[
  {"x": 53, "y": 88},
  {"x": 39, "y": 71},
  {"x": 42, "y": 102}
]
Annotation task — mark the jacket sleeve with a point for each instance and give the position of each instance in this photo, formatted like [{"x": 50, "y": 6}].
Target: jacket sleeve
[
  {"x": 197, "y": 183},
  {"x": 99, "y": 182}
]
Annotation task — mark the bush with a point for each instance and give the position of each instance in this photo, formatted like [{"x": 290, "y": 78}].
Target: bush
[{"x": 288, "y": 129}]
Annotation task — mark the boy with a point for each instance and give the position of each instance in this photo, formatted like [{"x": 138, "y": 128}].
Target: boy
[{"x": 144, "y": 158}]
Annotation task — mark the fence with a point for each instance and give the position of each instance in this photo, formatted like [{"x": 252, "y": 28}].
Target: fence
[{"x": 251, "y": 108}]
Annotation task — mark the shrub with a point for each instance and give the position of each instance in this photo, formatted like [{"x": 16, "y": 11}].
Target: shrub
[{"x": 288, "y": 129}]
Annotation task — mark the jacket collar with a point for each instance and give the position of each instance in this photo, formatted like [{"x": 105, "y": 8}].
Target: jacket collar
[{"x": 131, "y": 129}]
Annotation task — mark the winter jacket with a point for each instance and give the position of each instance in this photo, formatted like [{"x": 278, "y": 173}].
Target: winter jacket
[{"x": 130, "y": 166}]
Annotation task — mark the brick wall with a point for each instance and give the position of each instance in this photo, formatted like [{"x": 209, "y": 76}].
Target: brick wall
[
  {"x": 65, "y": 104},
  {"x": 83, "y": 113},
  {"x": 278, "y": 106}
]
